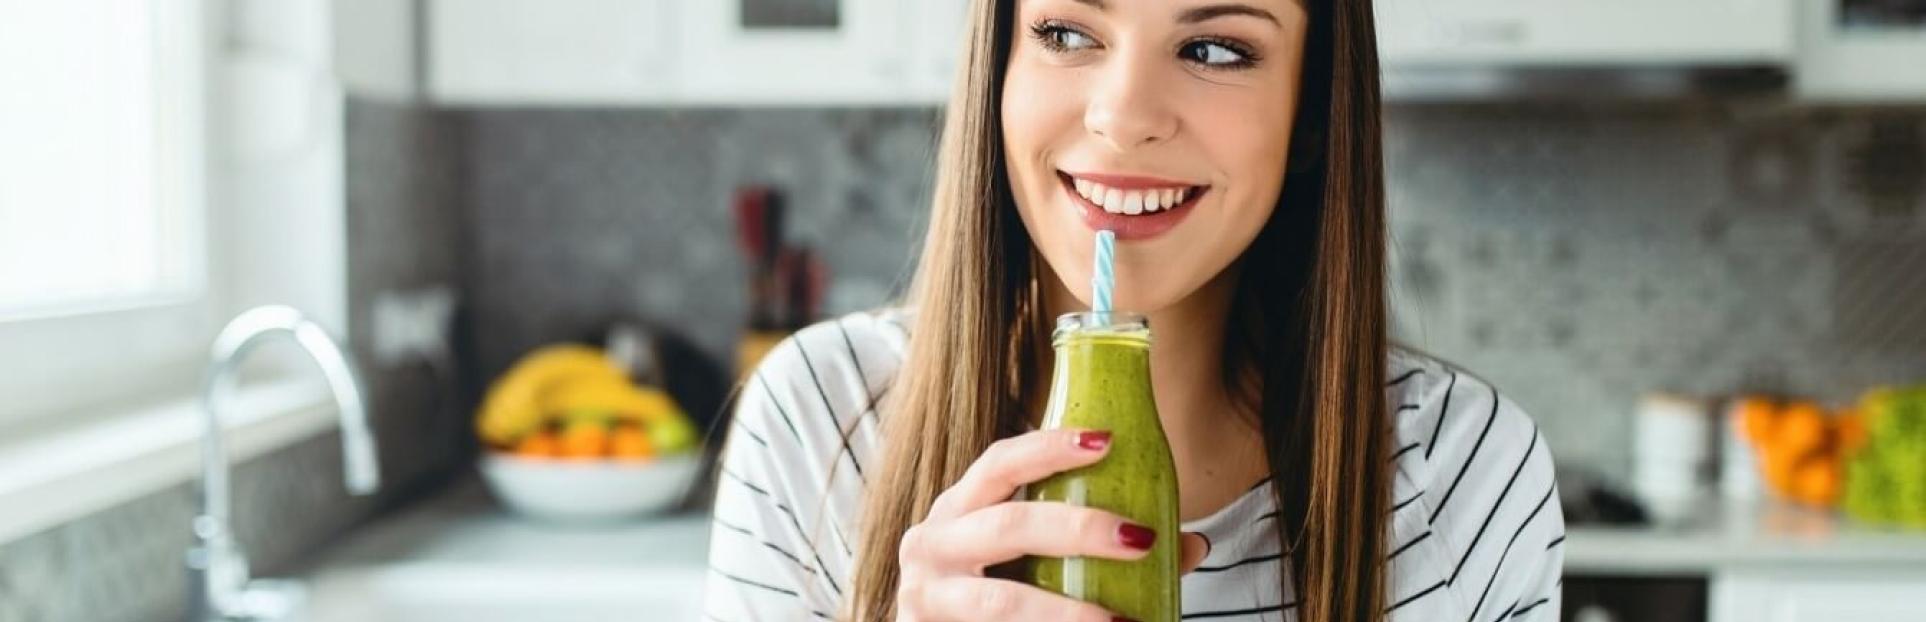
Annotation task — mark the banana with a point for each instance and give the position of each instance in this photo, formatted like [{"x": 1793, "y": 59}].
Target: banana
[
  {"x": 513, "y": 406},
  {"x": 668, "y": 427}
]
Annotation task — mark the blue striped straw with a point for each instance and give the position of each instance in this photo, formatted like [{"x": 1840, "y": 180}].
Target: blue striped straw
[{"x": 1103, "y": 278}]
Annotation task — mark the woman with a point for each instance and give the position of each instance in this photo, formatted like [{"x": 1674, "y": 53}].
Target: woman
[{"x": 1325, "y": 476}]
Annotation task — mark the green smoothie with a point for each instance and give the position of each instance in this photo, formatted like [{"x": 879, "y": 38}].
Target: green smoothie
[{"x": 1101, "y": 381}]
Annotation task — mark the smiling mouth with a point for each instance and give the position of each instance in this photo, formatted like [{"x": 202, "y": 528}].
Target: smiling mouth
[
  {"x": 1134, "y": 199},
  {"x": 1133, "y": 208}
]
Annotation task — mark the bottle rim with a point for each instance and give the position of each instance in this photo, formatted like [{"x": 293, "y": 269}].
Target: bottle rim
[{"x": 1115, "y": 323}]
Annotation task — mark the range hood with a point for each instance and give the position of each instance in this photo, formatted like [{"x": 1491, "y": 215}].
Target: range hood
[{"x": 1486, "y": 49}]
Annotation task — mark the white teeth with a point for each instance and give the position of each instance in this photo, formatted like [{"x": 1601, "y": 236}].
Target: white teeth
[{"x": 1132, "y": 202}]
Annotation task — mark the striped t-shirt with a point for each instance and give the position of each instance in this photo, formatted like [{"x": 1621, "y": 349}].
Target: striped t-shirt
[{"x": 1476, "y": 531}]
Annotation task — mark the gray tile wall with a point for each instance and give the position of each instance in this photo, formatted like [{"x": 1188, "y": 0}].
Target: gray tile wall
[
  {"x": 1575, "y": 255},
  {"x": 125, "y": 563}
]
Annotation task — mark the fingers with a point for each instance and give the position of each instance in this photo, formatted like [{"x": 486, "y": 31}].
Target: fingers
[
  {"x": 1015, "y": 461},
  {"x": 969, "y": 599},
  {"x": 1007, "y": 531},
  {"x": 1195, "y": 548}
]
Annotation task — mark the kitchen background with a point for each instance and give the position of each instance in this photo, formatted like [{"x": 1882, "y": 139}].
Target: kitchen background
[{"x": 1580, "y": 250}]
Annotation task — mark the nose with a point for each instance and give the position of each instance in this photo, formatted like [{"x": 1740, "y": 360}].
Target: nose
[{"x": 1126, "y": 106}]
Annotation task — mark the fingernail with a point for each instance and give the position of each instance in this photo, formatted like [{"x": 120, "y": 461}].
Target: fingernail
[
  {"x": 1093, "y": 440},
  {"x": 1136, "y": 536}
]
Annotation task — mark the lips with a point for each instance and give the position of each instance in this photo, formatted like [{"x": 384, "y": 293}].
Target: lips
[{"x": 1145, "y": 224}]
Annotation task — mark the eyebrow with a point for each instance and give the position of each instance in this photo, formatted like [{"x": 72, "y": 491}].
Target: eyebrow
[{"x": 1205, "y": 13}]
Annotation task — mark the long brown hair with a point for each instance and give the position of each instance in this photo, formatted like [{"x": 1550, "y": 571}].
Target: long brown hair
[{"x": 1304, "y": 349}]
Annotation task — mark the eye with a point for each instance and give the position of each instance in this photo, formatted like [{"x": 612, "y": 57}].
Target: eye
[
  {"x": 1217, "y": 54},
  {"x": 1060, "y": 37}
]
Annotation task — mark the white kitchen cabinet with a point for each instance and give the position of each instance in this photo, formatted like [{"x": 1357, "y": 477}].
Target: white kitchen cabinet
[
  {"x": 1426, "y": 33},
  {"x": 1814, "y": 594},
  {"x": 938, "y": 27},
  {"x": 860, "y": 55},
  {"x": 572, "y": 52}
]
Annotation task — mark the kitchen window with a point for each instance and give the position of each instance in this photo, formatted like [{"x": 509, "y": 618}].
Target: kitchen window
[{"x": 104, "y": 287}]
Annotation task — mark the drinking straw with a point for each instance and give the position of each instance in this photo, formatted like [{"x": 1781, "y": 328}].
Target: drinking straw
[{"x": 1102, "y": 279}]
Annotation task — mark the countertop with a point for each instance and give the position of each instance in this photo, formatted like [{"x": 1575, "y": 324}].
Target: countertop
[
  {"x": 1740, "y": 536},
  {"x": 461, "y": 557}
]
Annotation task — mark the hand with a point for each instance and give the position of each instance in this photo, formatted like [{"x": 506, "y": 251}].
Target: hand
[{"x": 974, "y": 525}]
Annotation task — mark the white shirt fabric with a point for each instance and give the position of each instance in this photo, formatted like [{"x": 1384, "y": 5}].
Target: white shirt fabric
[{"x": 1476, "y": 533}]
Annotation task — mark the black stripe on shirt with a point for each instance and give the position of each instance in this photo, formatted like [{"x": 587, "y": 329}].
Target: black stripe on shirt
[
  {"x": 830, "y": 410},
  {"x": 1252, "y": 560},
  {"x": 1403, "y": 377},
  {"x": 1443, "y": 411},
  {"x": 766, "y": 544},
  {"x": 1493, "y": 418},
  {"x": 1237, "y": 612},
  {"x": 764, "y": 381},
  {"x": 1507, "y": 552},
  {"x": 794, "y": 522},
  {"x": 757, "y": 584},
  {"x": 1555, "y": 542},
  {"x": 1400, "y": 505},
  {"x": 1409, "y": 599},
  {"x": 1500, "y": 502},
  {"x": 857, "y": 361},
  {"x": 1403, "y": 450},
  {"x": 1534, "y": 604},
  {"x": 752, "y": 434},
  {"x": 772, "y": 588},
  {"x": 1406, "y": 546}
]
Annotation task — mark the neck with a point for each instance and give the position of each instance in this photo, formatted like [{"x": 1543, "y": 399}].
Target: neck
[{"x": 1217, "y": 446}]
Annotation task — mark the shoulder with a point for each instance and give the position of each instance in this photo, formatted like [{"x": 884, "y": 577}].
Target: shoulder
[
  {"x": 839, "y": 363},
  {"x": 1446, "y": 414},
  {"x": 813, "y": 396},
  {"x": 1474, "y": 493}
]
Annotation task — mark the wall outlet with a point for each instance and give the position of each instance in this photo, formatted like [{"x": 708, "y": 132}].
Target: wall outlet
[{"x": 411, "y": 325}]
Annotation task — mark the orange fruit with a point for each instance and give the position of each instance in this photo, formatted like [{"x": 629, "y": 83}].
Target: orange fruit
[
  {"x": 585, "y": 439},
  {"x": 631, "y": 443},
  {"x": 537, "y": 445},
  {"x": 1776, "y": 466},
  {"x": 1816, "y": 482},
  {"x": 1802, "y": 428},
  {"x": 1758, "y": 418},
  {"x": 1852, "y": 431}
]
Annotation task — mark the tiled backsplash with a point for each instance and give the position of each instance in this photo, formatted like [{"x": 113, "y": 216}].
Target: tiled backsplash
[
  {"x": 125, "y": 564},
  {"x": 1574, "y": 255}
]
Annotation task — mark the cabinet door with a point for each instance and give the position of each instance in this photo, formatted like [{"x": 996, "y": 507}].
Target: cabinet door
[
  {"x": 551, "y": 52},
  {"x": 1820, "y": 595},
  {"x": 779, "y": 52},
  {"x": 1579, "y": 32},
  {"x": 938, "y": 26}
]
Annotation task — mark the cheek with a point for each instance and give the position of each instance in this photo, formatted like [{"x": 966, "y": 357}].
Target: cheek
[{"x": 1038, "y": 121}]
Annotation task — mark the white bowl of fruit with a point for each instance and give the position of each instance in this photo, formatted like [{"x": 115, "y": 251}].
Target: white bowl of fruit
[{"x": 570, "y": 439}]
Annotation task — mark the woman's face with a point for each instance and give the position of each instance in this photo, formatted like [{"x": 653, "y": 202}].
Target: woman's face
[{"x": 1165, "y": 121}]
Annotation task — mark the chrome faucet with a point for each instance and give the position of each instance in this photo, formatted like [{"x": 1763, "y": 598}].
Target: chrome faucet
[{"x": 217, "y": 567}]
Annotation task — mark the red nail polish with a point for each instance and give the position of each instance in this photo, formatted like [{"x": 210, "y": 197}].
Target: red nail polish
[
  {"x": 1093, "y": 440},
  {"x": 1136, "y": 536}
]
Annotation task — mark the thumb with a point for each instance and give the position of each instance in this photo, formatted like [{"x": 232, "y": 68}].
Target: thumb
[{"x": 1195, "y": 547}]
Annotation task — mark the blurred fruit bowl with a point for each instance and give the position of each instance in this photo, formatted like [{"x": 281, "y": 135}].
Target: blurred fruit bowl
[{"x": 589, "y": 490}]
